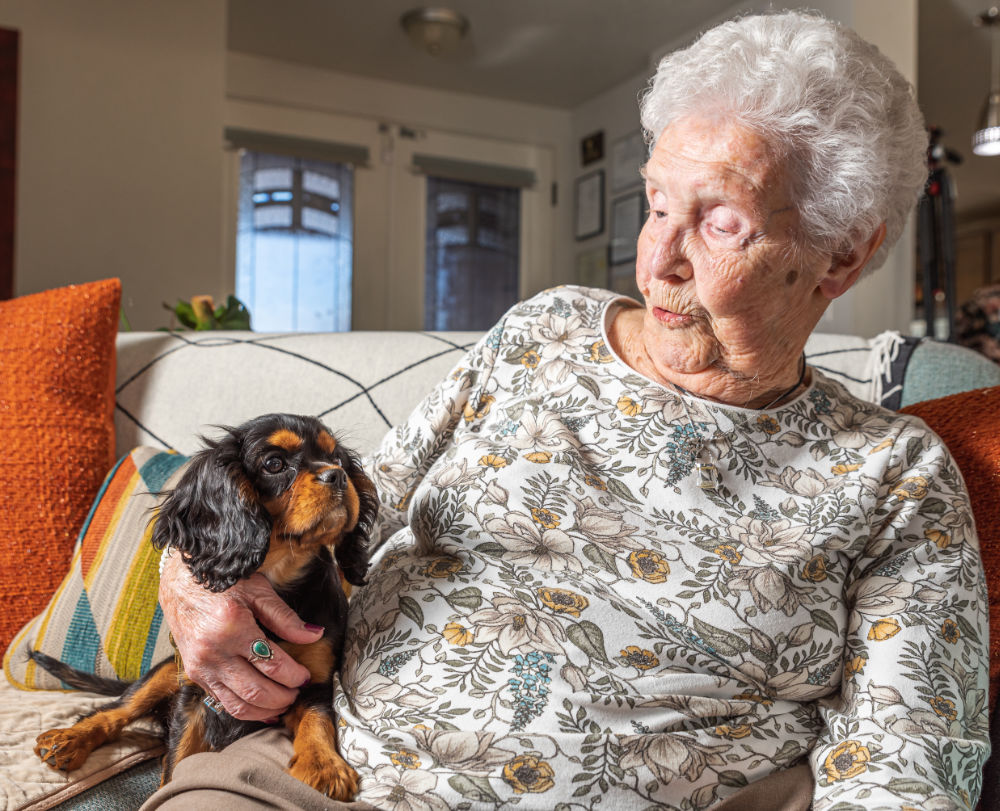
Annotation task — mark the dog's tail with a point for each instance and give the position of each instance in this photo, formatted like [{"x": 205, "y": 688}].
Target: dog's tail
[{"x": 77, "y": 678}]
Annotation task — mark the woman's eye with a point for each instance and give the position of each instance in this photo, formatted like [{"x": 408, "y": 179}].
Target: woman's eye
[{"x": 274, "y": 464}]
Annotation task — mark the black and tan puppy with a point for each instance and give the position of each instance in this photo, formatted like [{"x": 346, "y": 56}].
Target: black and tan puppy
[{"x": 274, "y": 495}]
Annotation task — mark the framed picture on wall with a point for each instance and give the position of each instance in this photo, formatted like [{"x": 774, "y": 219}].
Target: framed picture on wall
[
  {"x": 628, "y": 154},
  {"x": 588, "y": 202},
  {"x": 592, "y": 268},
  {"x": 626, "y": 221}
]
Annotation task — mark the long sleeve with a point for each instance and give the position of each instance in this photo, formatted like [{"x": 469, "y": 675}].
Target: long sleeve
[
  {"x": 410, "y": 449},
  {"x": 909, "y": 728}
]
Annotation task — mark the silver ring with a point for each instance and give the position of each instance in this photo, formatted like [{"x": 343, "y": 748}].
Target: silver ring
[
  {"x": 260, "y": 651},
  {"x": 212, "y": 703}
]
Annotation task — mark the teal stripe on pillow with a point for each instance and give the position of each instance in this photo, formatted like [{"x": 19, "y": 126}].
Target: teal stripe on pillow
[
  {"x": 83, "y": 642},
  {"x": 154, "y": 633},
  {"x": 161, "y": 467}
]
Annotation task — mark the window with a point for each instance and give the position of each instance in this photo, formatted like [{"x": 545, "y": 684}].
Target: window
[
  {"x": 294, "y": 244},
  {"x": 473, "y": 245}
]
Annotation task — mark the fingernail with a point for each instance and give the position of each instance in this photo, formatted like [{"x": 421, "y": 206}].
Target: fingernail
[
  {"x": 307, "y": 682},
  {"x": 311, "y": 627}
]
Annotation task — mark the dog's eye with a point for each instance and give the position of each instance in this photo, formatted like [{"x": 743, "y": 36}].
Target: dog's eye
[{"x": 274, "y": 464}]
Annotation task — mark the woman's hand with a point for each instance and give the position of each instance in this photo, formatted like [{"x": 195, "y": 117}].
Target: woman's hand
[{"x": 214, "y": 632}]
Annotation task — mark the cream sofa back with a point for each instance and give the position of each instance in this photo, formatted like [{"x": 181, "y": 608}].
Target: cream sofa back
[{"x": 173, "y": 387}]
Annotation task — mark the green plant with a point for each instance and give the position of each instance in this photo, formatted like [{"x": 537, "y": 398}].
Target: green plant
[{"x": 201, "y": 314}]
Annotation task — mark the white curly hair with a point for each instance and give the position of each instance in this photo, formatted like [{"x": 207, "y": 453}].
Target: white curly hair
[{"x": 829, "y": 102}]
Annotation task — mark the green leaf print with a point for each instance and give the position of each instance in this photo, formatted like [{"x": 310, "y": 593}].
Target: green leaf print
[
  {"x": 476, "y": 789},
  {"x": 410, "y": 608},
  {"x": 469, "y": 598},
  {"x": 588, "y": 638},
  {"x": 824, "y": 620},
  {"x": 724, "y": 642}
]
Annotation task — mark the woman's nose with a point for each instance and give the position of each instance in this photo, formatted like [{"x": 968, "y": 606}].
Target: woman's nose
[{"x": 669, "y": 257}]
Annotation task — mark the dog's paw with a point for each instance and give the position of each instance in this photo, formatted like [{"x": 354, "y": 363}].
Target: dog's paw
[
  {"x": 327, "y": 772},
  {"x": 62, "y": 749}
]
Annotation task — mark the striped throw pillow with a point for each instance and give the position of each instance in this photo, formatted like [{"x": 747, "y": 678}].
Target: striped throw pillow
[{"x": 104, "y": 618}]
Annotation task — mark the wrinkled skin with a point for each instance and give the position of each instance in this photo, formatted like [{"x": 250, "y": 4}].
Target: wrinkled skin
[
  {"x": 214, "y": 631},
  {"x": 731, "y": 292}
]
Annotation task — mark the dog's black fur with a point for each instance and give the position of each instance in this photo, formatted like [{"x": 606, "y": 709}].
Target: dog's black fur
[{"x": 271, "y": 496}]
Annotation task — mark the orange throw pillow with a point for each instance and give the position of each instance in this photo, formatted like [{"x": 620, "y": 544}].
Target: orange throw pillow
[
  {"x": 57, "y": 378},
  {"x": 969, "y": 424}
]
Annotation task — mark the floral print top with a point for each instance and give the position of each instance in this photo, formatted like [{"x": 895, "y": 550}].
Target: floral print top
[{"x": 562, "y": 616}]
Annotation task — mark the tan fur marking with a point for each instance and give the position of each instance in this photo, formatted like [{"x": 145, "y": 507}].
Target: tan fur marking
[
  {"x": 316, "y": 761},
  {"x": 326, "y": 442},
  {"x": 283, "y": 438},
  {"x": 193, "y": 738},
  {"x": 67, "y": 749},
  {"x": 317, "y": 656}
]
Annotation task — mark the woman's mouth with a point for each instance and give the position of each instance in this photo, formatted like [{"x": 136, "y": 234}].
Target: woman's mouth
[{"x": 671, "y": 318}]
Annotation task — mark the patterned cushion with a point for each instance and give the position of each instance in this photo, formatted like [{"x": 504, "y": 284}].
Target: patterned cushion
[
  {"x": 105, "y": 618},
  {"x": 57, "y": 370}
]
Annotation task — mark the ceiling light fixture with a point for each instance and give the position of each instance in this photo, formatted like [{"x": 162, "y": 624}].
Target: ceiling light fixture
[
  {"x": 435, "y": 30},
  {"x": 986, "y": 140}
]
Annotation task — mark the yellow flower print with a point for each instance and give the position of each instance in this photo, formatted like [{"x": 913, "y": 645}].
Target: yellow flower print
[
  {"x": 944, "y": 707},
  {"x": 883, "y": 629},
  {"x": 599, "y": 353},
  {"x": 476, "y": 412},
  {"x": 848, "y": 759},
  {"x": 854, "y": 666},
  {"x": 457, "y": 634},
  {"x": 639, "y": 658},
  {"x": 950, "y": 632},
  {"x": 768, "y": 424},
  {"x": 492, "y": 460},
  {"x": 649, "y": 566},
  {"x": 458, "y": 373},
  {"x": 728, "y": 553},
  {"x": 815, "y": 569},
  {"x": 442, "y": 567},
  {"x": 563, "y": 601},
  {"x": 595, "y": 481},
  {"x": 545, "y": 518},
  {"x": 885, "y": 443},
  {"x": 530, "y": 359},
  {"x": 405, "y": 759},
  {"x": 628, "y": 406},
  {"x": 840, "y": 470},
  {"x": 911, "y": 487},
  {"x": 940, "y": 539},
  {"x": 734, "y": 733},
  {"x": 526, "y": 773},
  {"x": 539, "y": 457}
]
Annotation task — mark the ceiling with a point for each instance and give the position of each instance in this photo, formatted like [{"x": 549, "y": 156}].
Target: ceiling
[
  {"x": 556, "y": 53},
  {"x": 560, "y": 53}
]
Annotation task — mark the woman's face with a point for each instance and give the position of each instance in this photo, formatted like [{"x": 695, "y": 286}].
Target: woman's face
[{"x": 717, "y": 261}]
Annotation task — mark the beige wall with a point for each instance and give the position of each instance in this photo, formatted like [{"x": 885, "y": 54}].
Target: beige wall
[
  {"x": 119, "y": 167},
  {"x": 121, "y": 170}
]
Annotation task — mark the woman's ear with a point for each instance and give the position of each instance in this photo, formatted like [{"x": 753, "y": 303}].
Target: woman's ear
[{"x": 846, "y": 268}]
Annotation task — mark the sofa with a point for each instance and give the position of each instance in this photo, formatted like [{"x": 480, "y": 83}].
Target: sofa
[{"x": 170, "y": 388}]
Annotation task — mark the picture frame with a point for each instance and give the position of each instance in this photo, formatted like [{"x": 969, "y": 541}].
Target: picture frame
[
  {"x": 592, "y": 268},
  {"x": 626, "y": 223},
  {"x": 628, "y": 154},
  {"x": 592, "y": 148},
  {"x": 588, "y": 201}
]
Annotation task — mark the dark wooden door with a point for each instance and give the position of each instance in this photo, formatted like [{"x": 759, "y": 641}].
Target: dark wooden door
[{"x": 9, "y": 41}]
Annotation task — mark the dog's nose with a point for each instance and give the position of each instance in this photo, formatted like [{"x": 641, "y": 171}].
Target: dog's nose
[{"x": 334, "y": 476}]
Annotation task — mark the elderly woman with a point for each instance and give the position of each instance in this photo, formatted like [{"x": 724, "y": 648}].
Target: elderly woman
[{"x": 640, "y": 554}]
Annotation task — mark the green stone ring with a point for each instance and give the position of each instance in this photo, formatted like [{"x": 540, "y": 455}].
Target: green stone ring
[{"x": 260, "y": 650}]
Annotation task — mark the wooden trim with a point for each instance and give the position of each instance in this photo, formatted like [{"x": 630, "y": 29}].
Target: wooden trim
[{"x": 9, "y": 59}]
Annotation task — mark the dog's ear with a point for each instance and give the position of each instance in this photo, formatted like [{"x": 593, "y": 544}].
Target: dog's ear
[
  {"x": 214, "y": 519},
  {"x": 354, "y": 549}
]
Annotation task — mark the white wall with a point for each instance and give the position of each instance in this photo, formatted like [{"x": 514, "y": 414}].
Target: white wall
[
  {"x": 883, "y": 301},
  {"x": 119, "y": 166}
]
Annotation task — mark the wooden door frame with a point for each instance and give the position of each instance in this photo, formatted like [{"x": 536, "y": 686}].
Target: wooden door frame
[{"x": 9, "y": 64}]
